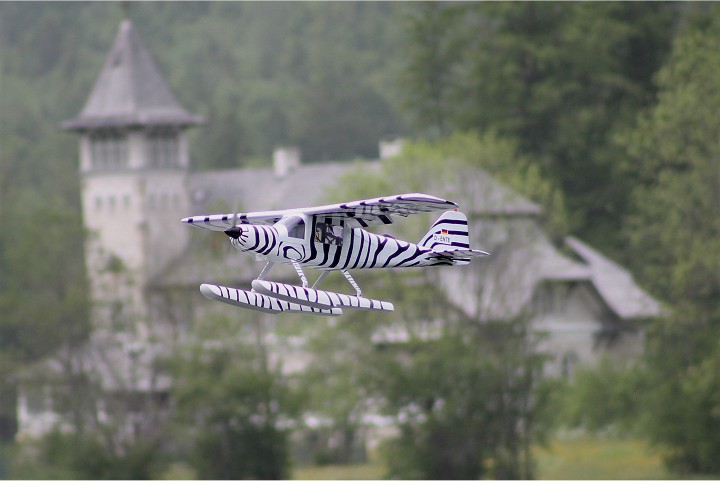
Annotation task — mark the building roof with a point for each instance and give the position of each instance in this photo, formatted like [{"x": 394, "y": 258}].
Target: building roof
[
  {"x": 615, "y": 284},
  {"x": 503, "y": 286},
  {"x": 479, "y": 194},
  {"x": 256, "y": 189},
  {"x": 130, "y": 91}
]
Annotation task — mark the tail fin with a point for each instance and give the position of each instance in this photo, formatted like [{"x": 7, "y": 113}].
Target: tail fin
[{"x": 450, "y": 230}]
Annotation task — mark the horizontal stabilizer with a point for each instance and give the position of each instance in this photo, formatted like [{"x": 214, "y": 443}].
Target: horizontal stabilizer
[
  {"x": 259, "y": 302},
  {"x": 318, "y": 299},
  {"x": 455, "y": 256}
]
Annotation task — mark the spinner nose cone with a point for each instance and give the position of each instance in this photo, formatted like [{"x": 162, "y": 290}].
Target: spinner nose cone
[{"x": 234, "y": 232}]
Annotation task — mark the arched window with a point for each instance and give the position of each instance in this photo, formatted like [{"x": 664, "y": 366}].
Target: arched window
[
  {"x": 108, "y": 150},
  {"x": 162, "y": 149}
]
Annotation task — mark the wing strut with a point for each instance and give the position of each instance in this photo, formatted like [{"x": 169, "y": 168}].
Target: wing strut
[
  {"x": 265, "y": 270},
  {"x": 323, "y": 275}
]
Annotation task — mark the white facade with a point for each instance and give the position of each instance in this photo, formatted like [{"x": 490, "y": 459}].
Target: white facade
[{"x": 130, "y": 212}]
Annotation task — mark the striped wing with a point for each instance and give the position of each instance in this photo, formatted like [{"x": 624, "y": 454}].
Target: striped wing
[{"x": 368, "y": 212}]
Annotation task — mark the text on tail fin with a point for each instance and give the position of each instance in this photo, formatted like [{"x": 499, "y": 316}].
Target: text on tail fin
[{"x": 450, "y": 230}]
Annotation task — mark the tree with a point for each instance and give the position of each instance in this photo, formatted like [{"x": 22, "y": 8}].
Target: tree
[
  {"x": 463, "y": 401},
  {"x": 674, "y": 229},
  {"x": 460, "y": 387},
  {"x": 233, "y": 407},
  {"x": 561, "y": 79},
  {"x": 60, "y": 455},
  {"x": 432, "y": 67},
  {"x": 43, "y": 305}
]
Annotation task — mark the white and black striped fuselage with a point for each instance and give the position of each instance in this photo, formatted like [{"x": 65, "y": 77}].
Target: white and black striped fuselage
[{"x": 351, "y": 248}]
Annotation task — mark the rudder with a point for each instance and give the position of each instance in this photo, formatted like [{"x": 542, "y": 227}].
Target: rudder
[{"x": 450, "y": 230}]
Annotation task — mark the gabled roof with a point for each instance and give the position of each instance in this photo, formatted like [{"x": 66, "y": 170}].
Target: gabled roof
[
  {"x": 481, "y": 195},
  {"x": 503, "y": 285},
  {"x": 130, "y": 91},
  {"x": 615, "y": 284},
  {"x": 261, "y": 189}
]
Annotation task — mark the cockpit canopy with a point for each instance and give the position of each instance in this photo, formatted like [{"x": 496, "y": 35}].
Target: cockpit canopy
[{"x": 295, "y": 226}]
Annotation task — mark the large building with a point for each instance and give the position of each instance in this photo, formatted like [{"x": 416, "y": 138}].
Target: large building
[{"x": 145, "y": 266}]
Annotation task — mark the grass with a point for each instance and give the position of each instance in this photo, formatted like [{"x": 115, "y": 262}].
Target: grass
[
  {"x": 593, "y": 458},
  {"x": 352, "y": 471},
  {"x": 581, "y": 458}
]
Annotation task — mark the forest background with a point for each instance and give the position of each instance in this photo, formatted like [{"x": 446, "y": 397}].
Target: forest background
[{"x": 617, "y": 106}]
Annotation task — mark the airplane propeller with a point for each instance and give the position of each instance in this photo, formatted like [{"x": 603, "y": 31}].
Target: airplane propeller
[{"x": 235, "y": 231}]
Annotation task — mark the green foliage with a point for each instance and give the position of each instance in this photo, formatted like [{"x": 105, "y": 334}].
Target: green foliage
[
  {"x": 231, "y": 405},
  {"x": 674, "y": 229},
  {"x": 265, "y": 74},
  {"x": 434, "y": 48},
  {"x": 463, "y": 402},
  {"x": 43, "y": 298},
  {"x": 608, "y": 396},
  {"x": 60, "y": 455},
  {"x": 675, "y": 147},
  {"x": 336, "y": 391},
  {"x": 681, "y": 408},
  {"x": 560, "y": 78}
]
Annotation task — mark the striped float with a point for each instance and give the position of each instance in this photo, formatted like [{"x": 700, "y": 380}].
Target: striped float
[
  {"x": 259, "y": 302},
  {"x": 318, "y": 299}
]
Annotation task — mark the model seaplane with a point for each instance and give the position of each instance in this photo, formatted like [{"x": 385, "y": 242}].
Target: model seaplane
[{"x": 333, "y": 238}]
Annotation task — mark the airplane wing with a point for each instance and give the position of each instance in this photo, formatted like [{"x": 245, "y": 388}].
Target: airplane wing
[{"x": 368, "y": 212}]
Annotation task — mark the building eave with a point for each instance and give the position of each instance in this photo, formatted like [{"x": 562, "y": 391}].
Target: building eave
[{"x": 131, "y": 122}]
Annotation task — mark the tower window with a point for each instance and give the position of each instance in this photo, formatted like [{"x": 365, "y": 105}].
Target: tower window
[
  {"x": 163, "y": 149},
  {"x": 108, "y": 150}
]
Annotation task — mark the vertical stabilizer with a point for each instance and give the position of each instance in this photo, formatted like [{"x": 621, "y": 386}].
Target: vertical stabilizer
[{"x": 450, "y": 230}]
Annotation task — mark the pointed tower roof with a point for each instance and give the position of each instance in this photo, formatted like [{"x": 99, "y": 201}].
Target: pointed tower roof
[{"x": 130, "y": 91}]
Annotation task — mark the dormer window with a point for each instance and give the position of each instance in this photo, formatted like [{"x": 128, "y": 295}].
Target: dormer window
[
  {"x": 163, "y": 149},
  {"x": 108, "y": 150}
]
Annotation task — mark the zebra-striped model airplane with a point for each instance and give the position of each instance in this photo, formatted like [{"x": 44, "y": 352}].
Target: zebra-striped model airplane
[{"x": 329, "y": 238}]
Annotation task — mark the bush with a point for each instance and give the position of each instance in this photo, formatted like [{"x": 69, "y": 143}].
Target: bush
[{"x": 605, "y": 397}]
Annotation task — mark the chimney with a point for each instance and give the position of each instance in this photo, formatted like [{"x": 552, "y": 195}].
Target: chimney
[
  {"x": 285, "y": 160},
  {"x": 390, "y": 147}
]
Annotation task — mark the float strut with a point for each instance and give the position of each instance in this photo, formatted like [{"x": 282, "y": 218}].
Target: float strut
[
  {"x": 352, "y": 282},
  {"x": 300, "y": 273}
]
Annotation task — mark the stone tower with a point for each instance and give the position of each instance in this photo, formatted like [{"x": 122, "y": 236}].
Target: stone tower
[{"x": 134, "y": 168}]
